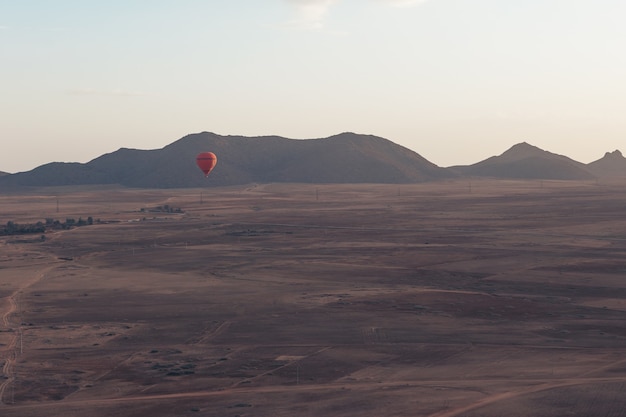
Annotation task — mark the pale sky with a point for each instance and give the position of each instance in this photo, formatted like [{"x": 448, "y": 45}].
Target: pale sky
[{"x": 456, "y": 81}]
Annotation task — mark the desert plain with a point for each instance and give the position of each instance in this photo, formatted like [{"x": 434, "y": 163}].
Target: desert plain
[{"x": 445, "y": 299}]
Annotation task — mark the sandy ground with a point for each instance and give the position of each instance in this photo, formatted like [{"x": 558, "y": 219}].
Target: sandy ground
[{"x": 445, "y": 299}]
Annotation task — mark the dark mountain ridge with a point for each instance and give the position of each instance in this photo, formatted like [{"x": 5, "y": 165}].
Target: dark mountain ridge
[
  {"x": 344, "y": 158},
  {"x": 525, "y": 161}
]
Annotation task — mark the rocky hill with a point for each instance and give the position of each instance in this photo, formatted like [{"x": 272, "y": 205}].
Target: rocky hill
[
  {"x": 612, "y": 164},
  {"x": 525, "y": 161},
  {"x": 344, "y": 158}
]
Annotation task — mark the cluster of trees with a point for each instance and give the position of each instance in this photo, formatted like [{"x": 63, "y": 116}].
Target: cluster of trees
[{"x": 12, "y": 228}]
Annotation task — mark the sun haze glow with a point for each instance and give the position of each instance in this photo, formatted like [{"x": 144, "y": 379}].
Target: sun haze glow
[
  {"x": 456, "y": 81},
  {"x": 310, "y": 13}
]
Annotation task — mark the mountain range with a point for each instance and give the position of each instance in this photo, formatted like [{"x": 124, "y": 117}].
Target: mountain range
[
  {"x": 344, "y": 158},
  {"x": 525, "y": 161}
]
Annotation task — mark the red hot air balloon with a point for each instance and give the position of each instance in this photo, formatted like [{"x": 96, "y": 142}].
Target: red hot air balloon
[{"x": 206, "y": 162}]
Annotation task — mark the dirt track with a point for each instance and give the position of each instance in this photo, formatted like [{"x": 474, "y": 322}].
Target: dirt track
[{"x": 281, "y": 300}]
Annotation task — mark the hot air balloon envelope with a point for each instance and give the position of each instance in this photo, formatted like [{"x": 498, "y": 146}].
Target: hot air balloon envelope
[{"x": 206, "y": 162}]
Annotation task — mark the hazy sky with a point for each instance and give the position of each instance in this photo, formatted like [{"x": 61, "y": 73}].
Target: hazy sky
[{"x": 456, "y": 81}]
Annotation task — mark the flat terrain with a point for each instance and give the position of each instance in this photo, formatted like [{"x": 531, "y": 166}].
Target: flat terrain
[{"x": 490, "y": 298}]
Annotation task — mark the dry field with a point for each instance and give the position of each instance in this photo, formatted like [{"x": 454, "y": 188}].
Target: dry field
[{"x": 495, "y": 298}]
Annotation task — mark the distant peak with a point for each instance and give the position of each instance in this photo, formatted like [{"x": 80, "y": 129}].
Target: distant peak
[
  {"x": 344, "y": 135},
  {"x": 616, "y": 154},
  {"x": 523, "y": 148},
  {"x": 524, "y": 145}
]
